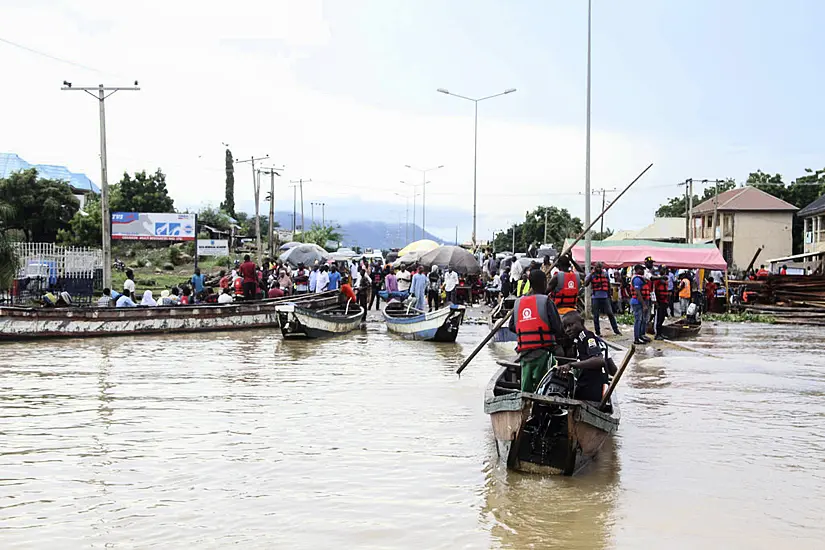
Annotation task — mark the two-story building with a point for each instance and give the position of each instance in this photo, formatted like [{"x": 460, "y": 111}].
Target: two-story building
[
  {"x": 746, "y": 219},
  {"x": 813, "y": 219}
]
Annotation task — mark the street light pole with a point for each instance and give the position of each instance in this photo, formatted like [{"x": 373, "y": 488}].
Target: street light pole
[
  {"x": 475, "y": 147},
  {"x": 587, "y": 238},
  {"x": 256, "y": 186},
  {"x": 407, "y": 223},
  {"x": 424, "y": 183},
  {"x": 106, "y": 219}
]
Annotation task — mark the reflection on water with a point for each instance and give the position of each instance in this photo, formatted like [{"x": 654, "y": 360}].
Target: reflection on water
[{"x": 371, "y": 441}]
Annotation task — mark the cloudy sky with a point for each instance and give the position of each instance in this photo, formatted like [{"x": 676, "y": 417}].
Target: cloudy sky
[{"x": 343, "y": 92}]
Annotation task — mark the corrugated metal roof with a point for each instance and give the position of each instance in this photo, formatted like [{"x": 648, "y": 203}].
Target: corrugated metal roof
[
  {"x": 745, "y": 198},
  {"x": 816, "y": 207},
  {"x": 663, "y": 229},
  {"x": 10, "y": 163}
]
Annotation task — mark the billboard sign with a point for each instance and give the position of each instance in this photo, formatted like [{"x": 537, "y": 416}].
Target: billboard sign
[
  {"x": 153, "y": 227},
  {"x": 217, "y": 247}
]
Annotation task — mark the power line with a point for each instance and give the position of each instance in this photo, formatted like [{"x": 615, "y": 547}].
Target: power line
[{"x": 55, "y": 58}]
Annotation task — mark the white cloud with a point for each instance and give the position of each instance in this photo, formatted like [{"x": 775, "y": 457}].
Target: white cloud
[{"x": 213, "y": 72}]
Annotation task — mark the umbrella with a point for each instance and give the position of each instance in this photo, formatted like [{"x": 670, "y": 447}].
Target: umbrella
[
  {"x": 452, "y": 256},
  {"x": 306, "y": 254},
  {"x": 408, "y": 259},
  {"x": 424, "y": 245},
  {"x": 290, "y": 244}
]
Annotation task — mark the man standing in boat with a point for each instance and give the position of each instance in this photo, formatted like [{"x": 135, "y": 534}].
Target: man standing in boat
[
  {"x": 537, "y": 324},
  {"x": 591, "y": 355},
  {"x": 565, "y": 286}
]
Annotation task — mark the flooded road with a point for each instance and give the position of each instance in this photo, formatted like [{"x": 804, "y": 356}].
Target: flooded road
[{"x": 369, "y": 441}]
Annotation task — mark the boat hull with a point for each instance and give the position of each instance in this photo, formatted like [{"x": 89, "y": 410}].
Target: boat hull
[
  {"x": 503, "y": 335},
  {"x": 32, "y": 323},
  {"x": 301, "y": 323},
  {"x": 572, "y": 437},
  {"x": 680, "y": 331},
  {"x": 438, "y": 326}
]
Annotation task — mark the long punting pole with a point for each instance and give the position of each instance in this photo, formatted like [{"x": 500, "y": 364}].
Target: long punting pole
[{"x": 567, "y": 249}]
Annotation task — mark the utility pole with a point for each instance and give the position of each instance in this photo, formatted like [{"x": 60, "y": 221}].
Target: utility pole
[
  {"x": 272, "y": 173},
  {"x": 294, "y": 204},
  {"x": 514, "y": 238},
  {"x": 256, "y": 185},
  {"x": 603, "y": 192},
  {"x": 312, "y": 210},
  {"x": 690, "y": 210},
  {"x": 545, "y": 227},
  {"x": 456, "y": 235},
  {"x": 424, "y": 183},
  {"x": 300, "y": 183},
  {"x": 588, "y": 236},
  {"x": 106, "y": 218}
]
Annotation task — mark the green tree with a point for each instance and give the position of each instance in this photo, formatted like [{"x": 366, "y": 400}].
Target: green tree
[
  {"x": 228, "y": 205},
  {"x": 321, "y": 234},
  {"x": 141, "y": 194},
  {"x": 213, "y": 217},
  {"x": 602, "y": 235},
  {"x": 84, "y": 228},
  {"x": 9, "y": 262},
  {"x": 38, "y": 207},
  {"x": 560, "y": 226},
  {"x": 676, "y": 207}
]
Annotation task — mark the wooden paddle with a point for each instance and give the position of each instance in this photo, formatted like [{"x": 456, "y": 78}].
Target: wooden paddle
[
  {"x": 566, "y": 250},
  {"x": 618, "y": 376}
]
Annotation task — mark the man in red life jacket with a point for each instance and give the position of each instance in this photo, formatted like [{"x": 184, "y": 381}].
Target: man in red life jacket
[
  {"x": 537, "y": 324},
  {"x": 601, "y": 298},
  {"x": 763, "y": 273},
  {"x": 641, "y": 296},
  {"x": 565, "y": 286},
  {"x": 662, "y": 295}
]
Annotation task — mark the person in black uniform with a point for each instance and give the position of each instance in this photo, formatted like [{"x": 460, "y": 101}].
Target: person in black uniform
[{"x": 591, "y": 354}]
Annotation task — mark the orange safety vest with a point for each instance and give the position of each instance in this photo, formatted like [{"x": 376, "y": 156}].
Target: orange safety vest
[
  {"x": 568, "y": 295},
  {"x": 532, "y": 329}
]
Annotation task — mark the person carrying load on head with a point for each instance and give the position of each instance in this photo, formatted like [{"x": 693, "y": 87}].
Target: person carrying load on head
[
  {"x": 565, "y": 286},
  {"x": 537, "y": 325}
]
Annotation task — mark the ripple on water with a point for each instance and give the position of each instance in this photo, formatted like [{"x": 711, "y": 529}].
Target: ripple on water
[{"x": 369, "y": 441}]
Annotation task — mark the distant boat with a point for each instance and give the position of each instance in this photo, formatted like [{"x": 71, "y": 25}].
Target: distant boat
[
  {"x": 21, "y": 323},
  {"x": 440, "y": 325},
  {"x": 319, "y": 318}
]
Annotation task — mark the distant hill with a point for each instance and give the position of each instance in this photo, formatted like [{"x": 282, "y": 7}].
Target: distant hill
[{"x": 372, "y": 234}]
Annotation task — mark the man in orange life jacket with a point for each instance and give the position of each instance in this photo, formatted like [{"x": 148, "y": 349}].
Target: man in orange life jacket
[
  {"x": 565, "y": 286},
  {"x": 537, "y": 324}
]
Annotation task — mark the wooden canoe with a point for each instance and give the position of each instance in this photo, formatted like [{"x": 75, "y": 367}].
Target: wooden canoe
[
  {"x": 23, "y": 323},
  {"x": 503, "y": 335},
  {"x": 440, "y": 325},
  {"x": 545, "y": 434},
  {"x": 319, "y": 318},
  {"x": 680, "y": 329}
]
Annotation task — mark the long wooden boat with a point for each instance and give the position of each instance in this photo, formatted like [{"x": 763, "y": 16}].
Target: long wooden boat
[
  {"x": 680, "y": 329},
  {"x": 22, "y": 323},
  {"x": 545, "y": 434},
  {"x": 319, "y": 318},
  {"x": 440, "y": 325}
]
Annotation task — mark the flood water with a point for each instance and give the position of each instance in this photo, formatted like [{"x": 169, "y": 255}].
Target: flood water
[{"x": 369, "y": 441}]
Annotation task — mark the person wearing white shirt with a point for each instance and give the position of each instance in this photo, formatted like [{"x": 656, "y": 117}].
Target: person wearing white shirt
[
  {"x": 129, "y": 284},
  {"x": 450, "y": 282},
  {"x": 226, "y": 296},
  {"x": 516, "y": 270},
  {"x": 404, "y": 280},
  {"x": 322, "y": 282}
]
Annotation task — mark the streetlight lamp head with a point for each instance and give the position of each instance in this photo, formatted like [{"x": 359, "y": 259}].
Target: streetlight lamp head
[
  {"x": 443, "y": 91},
  {"x": 442, "y": 166},
  {"x": 510, "y": 91},
  {"x": 136, "y": 82},
  {"x": 407, "y": 166},
  {"x": 67, "y": 84}
]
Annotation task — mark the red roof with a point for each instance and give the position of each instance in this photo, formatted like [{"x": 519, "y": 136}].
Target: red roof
[{"x": 745, "y": 198}]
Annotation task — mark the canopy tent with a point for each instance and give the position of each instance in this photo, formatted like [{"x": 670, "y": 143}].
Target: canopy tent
[
  {"x": 452, "y": 256},
  {"x": 617, "y": 254},
  {"x": 424, "y": 245}
]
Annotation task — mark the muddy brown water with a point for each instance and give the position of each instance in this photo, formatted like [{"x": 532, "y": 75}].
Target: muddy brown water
[{"x": 369, "y": 441}]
